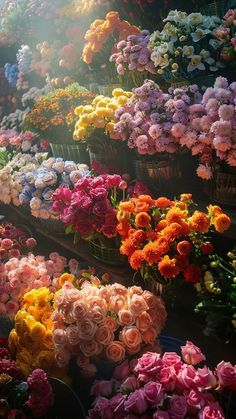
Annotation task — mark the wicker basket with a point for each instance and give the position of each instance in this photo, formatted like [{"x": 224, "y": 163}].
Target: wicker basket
[
  {"x": 222, "y": 188},
  {"x": 53, "y": 226},
  {"x": 75, "y": 152},
  {"x": 158, "y": 175},
  {"x": 109, "y": 256}
]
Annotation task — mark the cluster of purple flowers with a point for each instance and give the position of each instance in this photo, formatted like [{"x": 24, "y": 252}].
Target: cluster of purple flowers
[{"x": 133, "y": 54}]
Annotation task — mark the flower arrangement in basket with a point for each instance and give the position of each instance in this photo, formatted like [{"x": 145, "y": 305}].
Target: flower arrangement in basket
[
  {"x": 53, "y": 114},
  {"x": 217, "y": 296},
  {"x": 165, "y": 239},
  {"x": 165, "y": 386},
  {"x": 109, "y": 322},
  {"x": 186, "y": 46},
  {"x": 226, "y": 38}
]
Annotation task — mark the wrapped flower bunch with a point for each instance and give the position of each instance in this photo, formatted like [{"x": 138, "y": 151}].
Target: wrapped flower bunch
[
  {"x": 153, "y": 121},
  {"x": 89, "y": 208},
  {"x": 53, "y": 114},
  {"x": 186, "y": 46},
  {"x": 226, "y": 37},
  {"x": 14, "y": 242},
  {"x": 164, "y": 387},
  {"x": 96, "y": 121},
  {"x": 102, "y": 30},
  {"x": 164, "y": 239},
  {"x": 211, "y": 132},
  {"x": 217, "y": 295},
  {"x": 39, "y": 185},
  {"x": 31, "y": 341},
  {"x": 104, "y": 322}
]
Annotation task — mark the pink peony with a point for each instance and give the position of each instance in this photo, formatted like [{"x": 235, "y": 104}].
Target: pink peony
[{"x": 191, "y": 354}]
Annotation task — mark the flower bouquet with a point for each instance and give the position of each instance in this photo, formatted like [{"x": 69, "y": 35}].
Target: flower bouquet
[
  {"x": 107, "y": 323},
  {"x": 165, "y": 387},
  {"x": 226, "y": 38},
  {"x": 185, "y": 48},
  {"x": 165, "y": 239},
  {"x": 217, "y": 296}
]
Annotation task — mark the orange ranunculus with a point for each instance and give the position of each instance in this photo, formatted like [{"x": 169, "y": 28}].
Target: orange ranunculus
[
  {"x": 184, "y": 247},
  {"x": 146, "y": 198},
  {"x": 123, "y": 216},
  {"x": 136, "y": 259},
  {"x": 128, "y": 247},
  {"x": 138, "y": 236},
  {"x": 141, "y": 206},
  {"x": 163, "y": 245},
  {"x": 192, "y": 273},
  {"x": 151, "y": 253},
  {"x": 161, "y": 225},
  {"x": 221, "y": 222},
  {"x": 168, "y": 268},
  {"x": 123, "y": 229},
  {"x": 126, "y": 206},
  {"x": 172, "y": 231},
  {"x": 199, "y": 222},
  {"x": 163, "y": 202},
  {"x": 214, "y": 210},
  {"x": 142, "y": 219},
  {"x": 175, "y": 215}
]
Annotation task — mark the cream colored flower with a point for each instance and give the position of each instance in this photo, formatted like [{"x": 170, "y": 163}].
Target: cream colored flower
[
  {"x": 195, "y": 18},
  {"x": 188, "y": 50},
  {"x": 196, "y": 63}
]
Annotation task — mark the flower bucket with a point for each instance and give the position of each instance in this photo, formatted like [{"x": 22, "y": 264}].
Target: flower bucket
[
  {"x": 75, "y": 152},
  {"x": 158, "y": 175},
  {"x": 109, "y": 256},
  {"x": 53, "y": 226},
  {"x": 6, "y": 325},
  {"x": 222, "y": 188}
]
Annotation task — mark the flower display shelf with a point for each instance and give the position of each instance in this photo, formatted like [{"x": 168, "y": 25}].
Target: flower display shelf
[
  {"x": 157, "y": 175},
  {"x": 53, "y": 226},
  {"x": 75, "y": 152},
  {"x": 109, "y": 256},
  {"x": 222, "y": 188}
]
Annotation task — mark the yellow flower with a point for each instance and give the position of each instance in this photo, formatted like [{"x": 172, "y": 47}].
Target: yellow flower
[
  {"x": 80, "y": 133},
  {"x": 101, "y": 104},
  {"x": 117, "y": 92},
  {"x": 66, "y": 278},
  {"x": 122, "y": 100},
  {"x": 26, "y": 369},
  {"x": 25, "y": 357},
  {"x": 101, "y": 112},
  {"x": 13, "y": 342},
  {"x": 38, "y": 332}
]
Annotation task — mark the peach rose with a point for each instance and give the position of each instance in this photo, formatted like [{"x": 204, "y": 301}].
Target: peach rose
[
  {"x": 144, "y": 322},
  {"x": 149, "y": 298},
  {"x": 125, "y": 318},
  {"x": 149, "y": 336},
  {"x": 135, "y": 290},
  {"x": 104, "y": 335},
  {"x": 111, "y": 323},
  {"x": 87, "y": 329},
  {"x": 104, "y": 293},
  {"x": 79, "y": 310},
  {"x": 90, "y": 347},
  {"x": 72, "y": 333},
  {"x": 59, "y": 337},
  {"x": 89, "y": 370},
  {"x": 115, "y": 351},
  {"x": 137, "y": 305},
  {"x": 116, "y": 303},
  {"x": 62, "y": 358},
  {"x": 97, "y": 315},
  {"x": 131, "y": 337},
  {"x": 118, "y": 289}
]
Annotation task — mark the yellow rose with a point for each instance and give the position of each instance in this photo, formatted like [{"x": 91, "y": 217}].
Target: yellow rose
[
  {"x": 65, "y": 278},
  {"x": 38, "y": 332}
]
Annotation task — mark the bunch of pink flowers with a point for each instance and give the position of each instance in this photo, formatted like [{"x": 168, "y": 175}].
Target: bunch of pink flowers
[
  {"x": 212, "y": 127},
  {"x": 20, "y": 275},
  {"x": 11, "y": 139},
  {"x": 164, "y": 387},
  {"x": 14, "y": 242},
  {"x": 153, "y": 121},
  {"x": 88, "y": 208},
  {"x": 104, "y": 322},
  {"x": 41, "y": 396}
]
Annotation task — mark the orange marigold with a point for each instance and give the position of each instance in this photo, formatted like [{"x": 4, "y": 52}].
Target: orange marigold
[
  {"x": 172, "y": 231},
  {"x": 136, "y": 259},
  {"x": 185, "y": 196},
  {"x": 151, "y": 253},
  {"x": 163, "y": 202},
  {"x": 199, "y": 222},
  {"x": 127, "y": 247},
  {"x": 138, "y": 236},
  {"x": 163, "y": 245},
  {"x": 221, "y": 223},
  {"x": 161, "y": 225},
  {"x": 142, "y": 219},
  {"x": 175, "y": 215},
  {"x": 192, "y": 273},
  {"x": 151, "y": 235},
  {"x": 168, "y": 268},
  {"x": 185, "y": 228}
]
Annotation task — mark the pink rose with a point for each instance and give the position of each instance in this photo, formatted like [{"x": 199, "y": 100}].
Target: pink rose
[
  {"x": 104, "y": 388},
  {"x": 172, "y": 359},
  {"x": 104, "y": 335},
  {"x": 87, "y": 329},
  {"x": 131, "y": 337},
  {"x": 154, "y": 393},
  {"x": 186, "y": 377},
  {"x": 59, "y": 337},
  {"x": 177, "y": 407},
  {"x": 122, "y": 371},
  {"x": 226, "y": 374},
  {"x": 195, "y": 401},
  {"x": 115, "y": 351},
  {"x": 205, "y": 378},
  {"x": 136, "y": 403},
  {"x": 212, "y": 411},
  {"x": 101, "y": 409},
  {"x": 191, "y": 354},
  {"x": 117, "y": 404},
  {"x": 148, "y": 366},
  {"x": 160, "y": 414},
  {"x": 167, "y": 377},
  {"x": 137, "y": 305},
  {"x": 72, "y": 333}
]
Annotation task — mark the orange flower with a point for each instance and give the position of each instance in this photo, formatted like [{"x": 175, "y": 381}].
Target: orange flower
[
  {"x": 66, "y": 277},
  {"x": 123, "y": 216},
  {"x": 214, "y": 210},
  {"x": 221, "y": 223},
  {"x": 192, "y": 273},
  {"x": 168, "y": 268},
  {"x": 199, "y": 222},
  {"x": 163, "y": 202},
  {"x": 113, "y": 17},
  {"x": 185, "y": 228},
  {"x": 142, "y": 219},
  {"x": 175, "y": 215},
  {"x": 172, "y": 231},
  {"x": 128, "y": 247},
  {"x": 136, "y": 259},
  {"x": 126, "y": 206},
  {"x": 141, "y": 206},
  {"x": 123, "y": 229},
  {"x": 185, "y": 196},
  {"x": 146, "y": 198},
  {"x": 163, "y": 245},
  {"x": 138, "y": 236},
  {"x": 151, "y": 253},
  {"x": 184, "y": 247},
  {"x": 151, "y": 235},
  {"x": 161, "y": 225}
]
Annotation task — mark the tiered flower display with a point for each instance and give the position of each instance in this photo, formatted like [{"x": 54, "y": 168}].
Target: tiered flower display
[
  {"x": 165, "y": 387},
  {"x": 164, "y": 239},
  {"x": 104, "y": 322}
]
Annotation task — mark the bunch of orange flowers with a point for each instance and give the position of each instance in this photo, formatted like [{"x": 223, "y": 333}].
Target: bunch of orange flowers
[
  {"x": 165, "y": 239},
  {"x": 55, "y": 111},
  {"x": 101, "y": 30}
]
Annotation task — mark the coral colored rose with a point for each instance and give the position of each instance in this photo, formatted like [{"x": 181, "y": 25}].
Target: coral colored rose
[
  {"x": 137, "y": 305},
  {"x": 131, "y": 337},
  {"x": 226, "y": 374},
  {"x": 136, "y": 403},
  {"x": 115, "y": 351},
  {"x": 154, "y": 393},
  {"x": 122, "y": 371},
  {"x": 177, "y": 407},
  {"x": 191, "y": 354},
  {"x": 149, "y": 298},
  {"x": 104, "y": 335},
  {"x": 125, "y": 317},
  {"x": 149, "y": 336},
  {"x": 90, "y": 347},
  {"x": 205, "y": 378},
  {"x": 148, "y": 366},
  {"x": 212, "y": 411},
  {"x": 144, "y": 321}
]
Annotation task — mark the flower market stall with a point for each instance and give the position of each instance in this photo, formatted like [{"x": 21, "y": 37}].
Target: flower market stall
[{"x": 117, "y": 209}]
